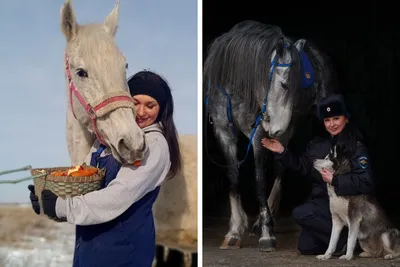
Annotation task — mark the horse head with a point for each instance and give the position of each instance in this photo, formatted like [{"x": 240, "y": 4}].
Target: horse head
[
  {"x": 286, "y": 79},
  {"x": 96, "y": 83}
]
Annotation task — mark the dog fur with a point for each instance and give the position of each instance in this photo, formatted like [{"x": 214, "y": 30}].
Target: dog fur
[{"x": 364, "y": 217}]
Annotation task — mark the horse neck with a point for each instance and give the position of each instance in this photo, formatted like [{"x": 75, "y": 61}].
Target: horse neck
[{"x": 79, "y": 139}]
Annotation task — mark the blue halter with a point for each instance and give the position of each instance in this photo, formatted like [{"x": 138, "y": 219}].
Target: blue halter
[{"x": 307, "y": 81}]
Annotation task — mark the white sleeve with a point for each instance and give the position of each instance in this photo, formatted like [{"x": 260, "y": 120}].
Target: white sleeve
[{"x": 130, "y": 185}]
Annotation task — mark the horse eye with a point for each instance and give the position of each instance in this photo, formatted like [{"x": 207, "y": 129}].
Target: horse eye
[
  {"x": 284, "y": 86},
  {"x": 126, "y": 66},
  {"x": 82, "y": 73},
  {"x": 265, "y": 117}
]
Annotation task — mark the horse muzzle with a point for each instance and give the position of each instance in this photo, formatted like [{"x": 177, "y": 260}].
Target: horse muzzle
[{"x": 128, "y": 153}]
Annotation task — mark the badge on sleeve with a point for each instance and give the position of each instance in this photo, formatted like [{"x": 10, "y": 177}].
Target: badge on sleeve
[{"x": 363, "y": 162}]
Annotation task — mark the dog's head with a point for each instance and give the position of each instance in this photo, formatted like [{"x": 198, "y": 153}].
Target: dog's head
[
  {"x": 325, "y": 163},
  {"x": 335, "y": 162}
]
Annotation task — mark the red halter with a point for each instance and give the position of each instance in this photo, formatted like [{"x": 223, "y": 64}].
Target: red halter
[{"x": 101, "y": 106}]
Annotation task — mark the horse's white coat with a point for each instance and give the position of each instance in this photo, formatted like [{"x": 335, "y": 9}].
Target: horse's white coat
[
  {"x": 238, "y": 222},
  {"x": 175, "y": 211},
  {"x": 91, "y": 49},
  {"x": 279, "y": 114}
]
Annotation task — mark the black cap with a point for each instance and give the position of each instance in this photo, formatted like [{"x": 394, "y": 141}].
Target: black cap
[{"x": 331, "y": 106}]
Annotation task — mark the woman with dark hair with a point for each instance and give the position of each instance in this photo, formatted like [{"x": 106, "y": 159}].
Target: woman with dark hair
[
  {"x": 115, "y": 225},
  {"x": 147, "y": 110},
  {"x": 314, "y": 216}
]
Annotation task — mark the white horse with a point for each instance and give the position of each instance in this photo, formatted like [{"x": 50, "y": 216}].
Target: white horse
[{"x": 99, "y": 106}]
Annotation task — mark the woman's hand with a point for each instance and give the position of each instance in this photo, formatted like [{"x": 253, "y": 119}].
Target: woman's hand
[
  {"x": 326, "y": 175},
  {"x": 49, "y": 200},
  {"x": 273, "y": 145},
  {"x": 34, "y": 199}
]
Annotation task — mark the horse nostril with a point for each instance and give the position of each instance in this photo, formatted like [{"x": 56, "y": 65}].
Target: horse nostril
[
  {"x": 124, "y": 147},
  {"x": 121, "y": 146},
  {"x": 275, "y": 134}
]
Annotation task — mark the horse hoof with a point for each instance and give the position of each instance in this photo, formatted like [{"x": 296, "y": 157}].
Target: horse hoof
[
  {"x": 267, "y": 245},
  {"x": 230, "y": 243}
]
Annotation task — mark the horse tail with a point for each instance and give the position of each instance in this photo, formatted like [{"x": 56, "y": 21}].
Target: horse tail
[{"x": 239, "y": 60}]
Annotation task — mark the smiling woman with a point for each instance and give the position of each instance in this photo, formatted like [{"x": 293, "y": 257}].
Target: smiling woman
[
  {"x": 115, "y": 224},
  {"x": 75, "y": 87},
  {"x": 155, "y": 106},
  {"x": 151, "y": 94},
  {"x": 147, "y": 109},
  {"x": 314, "y": 216}
]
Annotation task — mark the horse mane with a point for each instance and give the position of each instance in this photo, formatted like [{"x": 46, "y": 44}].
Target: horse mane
[
  {"x": 325, "y": 80},
  {"x": 239, "y": 62},
  {"x": 325, "y": 75}
]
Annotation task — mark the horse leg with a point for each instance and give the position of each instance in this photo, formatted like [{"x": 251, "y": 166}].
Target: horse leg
[
  {"x": 187, "y": 259},
  {"x": 238, "y": 221},
  {"x": 166, "y": 253},
  {"x": 267, "y": 241},
  {"x": 274, "y": 198},
  {"x": 275, "y": 195},
  {"x": 273, "y": 203}
]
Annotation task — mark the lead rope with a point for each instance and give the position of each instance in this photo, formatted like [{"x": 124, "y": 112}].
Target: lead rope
[
  {"x": 274, "y": 64},
  {"x": 26, "y": 168}
]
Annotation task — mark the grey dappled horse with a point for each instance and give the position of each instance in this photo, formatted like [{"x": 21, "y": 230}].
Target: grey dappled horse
[{"x": 259, "y": 82}]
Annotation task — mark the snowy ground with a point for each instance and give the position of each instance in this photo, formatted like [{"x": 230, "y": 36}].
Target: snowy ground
[
  {"x": 37, "y": 246},
  {"x": 29, "y": 240}
]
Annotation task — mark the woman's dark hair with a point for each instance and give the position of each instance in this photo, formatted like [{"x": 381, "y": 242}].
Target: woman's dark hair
[
  {"x": 346, "y": 143},
  {"x": 165, "y": 117}
]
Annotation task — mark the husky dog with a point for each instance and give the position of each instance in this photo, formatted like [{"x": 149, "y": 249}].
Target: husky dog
[{"x": 363, "y": 216}]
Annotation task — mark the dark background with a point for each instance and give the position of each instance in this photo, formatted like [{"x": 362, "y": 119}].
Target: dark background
[{"x": 362, "y": 39}]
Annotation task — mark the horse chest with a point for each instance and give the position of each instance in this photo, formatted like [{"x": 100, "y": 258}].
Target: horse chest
[{"x": 339, "y": 205}]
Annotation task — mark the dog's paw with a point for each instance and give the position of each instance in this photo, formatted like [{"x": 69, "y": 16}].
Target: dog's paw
[
  {"x": 323, "y": 257},
  {"x": 389, "y": 257},
  {"x": 345, "y": 257},
  {"x": 365, "y": 255}
]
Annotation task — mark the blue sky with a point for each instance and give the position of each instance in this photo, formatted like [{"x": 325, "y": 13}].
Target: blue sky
[{"x": 153, "y": 34}]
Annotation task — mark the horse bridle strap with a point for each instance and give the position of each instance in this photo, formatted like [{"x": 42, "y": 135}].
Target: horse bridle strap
[{"x": 99, "y": 107}]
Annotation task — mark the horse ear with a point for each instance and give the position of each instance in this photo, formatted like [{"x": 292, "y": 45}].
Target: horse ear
[
  {"x": 111, "y": 21},
  {"x": 299, "y": 44},
  {"x": 68, "y": 21}
]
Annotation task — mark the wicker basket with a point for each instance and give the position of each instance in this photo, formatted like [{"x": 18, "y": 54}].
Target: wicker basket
[{"x": 66, "y": 186}]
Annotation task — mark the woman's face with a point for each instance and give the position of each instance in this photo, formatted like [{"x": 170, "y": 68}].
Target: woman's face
[
  {"x": 147, "y": 109},
  {"x": 334, "y": 125}
]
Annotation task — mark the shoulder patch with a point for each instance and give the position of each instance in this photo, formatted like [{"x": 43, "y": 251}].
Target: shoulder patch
[{"x": 363, "y": 162}]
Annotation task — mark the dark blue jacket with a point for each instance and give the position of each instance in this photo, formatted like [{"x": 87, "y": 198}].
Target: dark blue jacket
[
  {"x": 358, "y": 181},
  {"x": 128, "y": 240}
]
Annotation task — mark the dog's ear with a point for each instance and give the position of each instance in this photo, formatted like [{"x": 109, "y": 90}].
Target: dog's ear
[{"x": 331, "y": 156}]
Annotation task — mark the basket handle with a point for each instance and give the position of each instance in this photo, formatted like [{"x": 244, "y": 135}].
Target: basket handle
[{"x": 26, "y": 168}]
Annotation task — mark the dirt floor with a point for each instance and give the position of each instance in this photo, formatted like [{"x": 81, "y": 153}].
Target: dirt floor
[{"x": 286, "y": 253}]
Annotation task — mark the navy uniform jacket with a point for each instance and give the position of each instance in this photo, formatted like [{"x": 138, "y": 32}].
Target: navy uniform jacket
[{"x": 358, "y": 181}]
